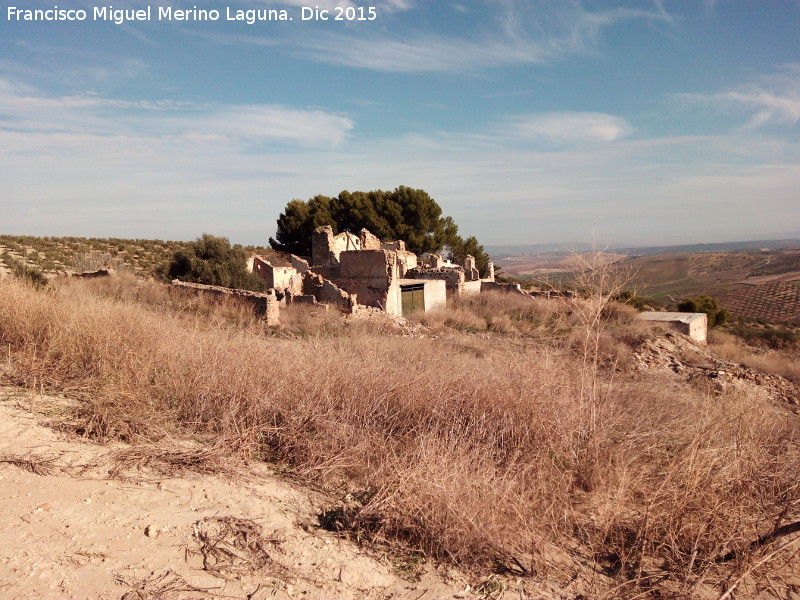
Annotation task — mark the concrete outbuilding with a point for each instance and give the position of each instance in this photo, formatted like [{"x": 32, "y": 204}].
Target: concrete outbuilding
[{"x": 692, "y": 325}]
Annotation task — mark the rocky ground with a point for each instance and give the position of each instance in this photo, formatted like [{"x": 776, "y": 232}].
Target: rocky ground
[{"x": 675, "y": 352}]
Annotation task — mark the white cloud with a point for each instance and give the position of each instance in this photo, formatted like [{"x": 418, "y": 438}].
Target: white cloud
[
  {"x": 510, "y": 32},
  {"x": 321, "y": 4},
  {"x": 769, "y": 108},
  {"x": 254, "y": 122},
  {"x": 173, "y": 169},
  {"x": 506, "y": 32},
  {"x": 772, "y": 99},
  {"x": 330, "y": 5},
  {"x": 23, "y": 109},
  {"x": 569, "y": 127},
  {"x": 420, "y": 54}
]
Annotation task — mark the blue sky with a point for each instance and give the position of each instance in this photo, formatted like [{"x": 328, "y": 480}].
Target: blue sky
[{"x": 635, "y": 122}]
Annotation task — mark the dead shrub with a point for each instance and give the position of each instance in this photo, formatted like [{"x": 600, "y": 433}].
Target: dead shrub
[
  {"x": 231, "y": 546},
  {"x": 618, "y": 313},
  {"x": 38, "y": 465},
  {"x": 785, "y": 363},
  {"x": 124, "y": 287},
  {"x": 452, "y": 318},
  {"x": 167, "y": 459},
  {"x": 518, "y": 313},
  {"x": 159, "y": 586}
]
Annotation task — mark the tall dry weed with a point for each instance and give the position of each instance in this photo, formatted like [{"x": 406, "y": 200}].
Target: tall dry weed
[
  {"x": 474, "y": 448},
  {"x": 784, "y": 362},
  {"x": 501, "y": 313}
]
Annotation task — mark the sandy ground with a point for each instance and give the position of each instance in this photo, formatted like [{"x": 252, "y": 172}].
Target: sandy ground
[{"x": 77, "y": 524}]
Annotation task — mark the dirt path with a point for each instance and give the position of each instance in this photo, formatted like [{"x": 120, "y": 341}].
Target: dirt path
[{"x": 83, "y": 521}]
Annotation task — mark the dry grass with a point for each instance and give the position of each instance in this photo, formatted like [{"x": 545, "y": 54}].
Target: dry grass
[
  {"x": 474, "y": 448},
  {"x": 784, "y": 362},
  {"x": 166, "y": 585},
  {"x": 168, "y": 458},
  {"x": 501, "y": 313},
  {"x": 38, "y": 465}
]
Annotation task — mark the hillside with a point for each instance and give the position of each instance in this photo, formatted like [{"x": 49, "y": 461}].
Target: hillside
[
  {"x": 505, "y": 443},
  {"x": 499, "y": 252},
  {"x": 754, "y": 285},
  {"x": 146, "y": 258}
]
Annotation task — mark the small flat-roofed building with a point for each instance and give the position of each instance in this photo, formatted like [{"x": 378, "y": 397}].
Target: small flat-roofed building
[
  {"x": 420, "y": 295},
  {"x": 692, "y": 325}
]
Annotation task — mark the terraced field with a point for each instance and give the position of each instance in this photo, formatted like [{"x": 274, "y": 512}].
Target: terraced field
[
  {"x": 769, "y": 303},
  {"x": 718, "y": 266}
]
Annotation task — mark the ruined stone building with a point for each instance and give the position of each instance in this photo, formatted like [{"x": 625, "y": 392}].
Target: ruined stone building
[{"x": 349, "y": 270}]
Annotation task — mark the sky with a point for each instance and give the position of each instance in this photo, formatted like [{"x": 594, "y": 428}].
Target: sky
[{"x": 632, "y": 122}]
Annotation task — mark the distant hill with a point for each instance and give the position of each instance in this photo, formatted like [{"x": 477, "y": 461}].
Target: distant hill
[
  {"x": 716, "y": 247},
  {"x": 756, "y": 280},
  {"x": 560, "y": 248},
  {"x": 503, "y": 251}
]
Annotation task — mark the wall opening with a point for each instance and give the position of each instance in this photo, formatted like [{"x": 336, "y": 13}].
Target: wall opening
[{"x": 413, "y": 298}]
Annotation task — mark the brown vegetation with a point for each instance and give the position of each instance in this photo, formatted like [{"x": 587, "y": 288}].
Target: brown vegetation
[
  {"x": 536, "y": 454},
  {"x": 776, "y": 361}
]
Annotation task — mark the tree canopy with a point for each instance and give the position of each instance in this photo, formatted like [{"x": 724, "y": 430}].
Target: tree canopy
[
  {"x": 213, "y": 261},
  {"x": 401, "y": 214},
  {"x": 706, "y": 304},
  {"x": 459, "y": 249}
]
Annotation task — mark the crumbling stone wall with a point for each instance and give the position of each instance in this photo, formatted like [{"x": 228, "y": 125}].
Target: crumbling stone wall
[
  {"x": 472, "y": 288},
  {"x": 326, "y": 247},
  {"x": 405, "y": 262},
  {"x": 327, "y": 292},
  {"x": 511, "y": 288},
  {"x": 300, "y": 265},
  {"x": 452, "y": 276},
  {"x": 489, "y": 271},
  {"x": 470, "y": 272},
  {"x": 264, "y": 305},
  {"x": 396, "y": 245},
  {"x": 301, "y": 299},
  {"x": 279, "y": 278},
  {"x": 369, "y": 241},
  {"x": 435, "y": 261},
  {"x": 372, "y": 275}
]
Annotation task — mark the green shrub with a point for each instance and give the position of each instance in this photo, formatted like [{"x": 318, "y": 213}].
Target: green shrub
[
  {"x": 22, "y": 271},
  {"x": 213, "y": 261},
  {"x": 771, "y": 336},
  {"x": 631, "y": 298},
  {"x": 706, "y": 304}
]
